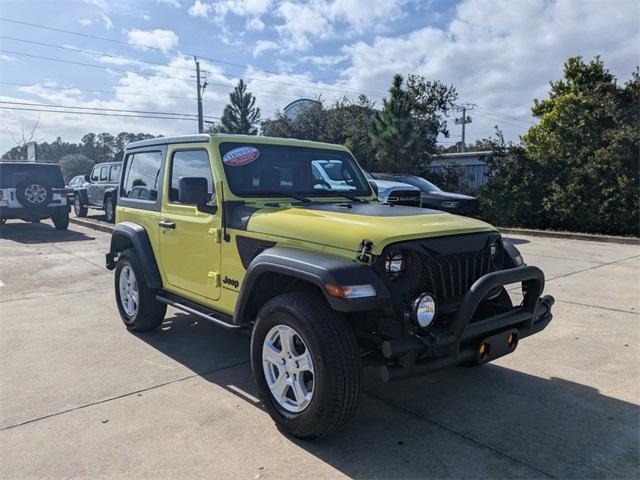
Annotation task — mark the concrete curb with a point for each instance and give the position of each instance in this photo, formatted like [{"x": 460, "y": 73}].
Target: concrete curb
[
  {"x": 572, "y": 236},
  {"x": 94, "y": 224}
]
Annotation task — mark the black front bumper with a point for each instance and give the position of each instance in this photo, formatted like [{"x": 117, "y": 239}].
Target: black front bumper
[{"x": 461, "y": 341}]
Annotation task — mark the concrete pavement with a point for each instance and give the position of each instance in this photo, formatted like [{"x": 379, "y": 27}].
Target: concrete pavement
[{"x": 82, "y": 397}]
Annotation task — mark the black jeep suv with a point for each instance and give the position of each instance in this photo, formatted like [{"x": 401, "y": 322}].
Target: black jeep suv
[
  {"x": 32, "y": 192},
  {"x": 99, "y": 191}
]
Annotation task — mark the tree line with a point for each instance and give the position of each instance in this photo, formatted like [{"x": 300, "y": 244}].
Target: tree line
[{"x": 575, "y": 169}]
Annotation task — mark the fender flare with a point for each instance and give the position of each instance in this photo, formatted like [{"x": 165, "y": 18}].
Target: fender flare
[
  {"x": 129, "y": 234},
  {"x": 317, "y": 269},
  {"x": 82, "y": 194}
]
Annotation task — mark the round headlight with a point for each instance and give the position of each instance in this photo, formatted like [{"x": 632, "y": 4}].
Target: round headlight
[
  {"x": 424, "y": 309},
  {"x": 394, "y": 264}
]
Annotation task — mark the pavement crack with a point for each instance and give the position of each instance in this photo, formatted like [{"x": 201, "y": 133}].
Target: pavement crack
[
  {"x": 592, "y": 268},
  {"x": 459, "y": 434},
  {"x": 124, "y": 395}
]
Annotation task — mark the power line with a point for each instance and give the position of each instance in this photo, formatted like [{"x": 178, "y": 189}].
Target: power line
[
  {"x": 112, "y": 92},
  {"x": 92, "y": 65},
  {"x": 103, "y": 67},
  {"x": 94, "y": 113},
  {"x": 101, "y": 109},
  {"x": 210, "y": 59},
  {"x": 166, "y": 65}
]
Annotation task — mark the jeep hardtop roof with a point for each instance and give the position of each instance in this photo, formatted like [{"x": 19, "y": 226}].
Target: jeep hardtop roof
[{"x": 205, "y": 137}]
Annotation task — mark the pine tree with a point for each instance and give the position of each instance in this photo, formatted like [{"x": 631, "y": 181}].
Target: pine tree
[
  {"x": 396, "y": 134},
  {"x": 241, "y": 115}
]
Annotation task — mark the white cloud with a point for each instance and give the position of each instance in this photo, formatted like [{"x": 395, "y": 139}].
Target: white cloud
[
  {"x": 86, "y": 22},
  {"x": 200, "y": 9},
  {"x": 262, "y": 46},
  {"x": 326, "y": 60},
  {"x": 322, "y": 19},
  {"x": 162, "y": 39},
  {"x": 255, "y": 24},
  {"x": 103, "y": 10},
  {"x": 501, "y": 57},
  {"x": 171, "y": 3}
]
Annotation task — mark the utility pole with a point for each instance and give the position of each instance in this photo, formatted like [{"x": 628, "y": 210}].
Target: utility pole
[
  {"x": 200, "y": 119},
  {"x": 463, "y": 120}
]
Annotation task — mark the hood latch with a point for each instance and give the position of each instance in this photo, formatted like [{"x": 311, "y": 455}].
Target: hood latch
[{"x": 366, "y": 247}]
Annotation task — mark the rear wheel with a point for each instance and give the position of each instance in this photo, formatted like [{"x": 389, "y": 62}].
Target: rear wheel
[
  {"x": 306, "y": 363},
  {"x": 109, "y": 210},
  {"x": 61, "y": 220},
  {"x": 78, "y": 208},
  {"x": 137, "y": 304}
]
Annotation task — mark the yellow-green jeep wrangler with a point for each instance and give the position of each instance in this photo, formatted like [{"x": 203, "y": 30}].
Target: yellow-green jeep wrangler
[{"x": 286, "y": 239}]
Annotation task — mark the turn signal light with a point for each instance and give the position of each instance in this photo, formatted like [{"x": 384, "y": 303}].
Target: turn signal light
[{"x": 351, "y": 291}]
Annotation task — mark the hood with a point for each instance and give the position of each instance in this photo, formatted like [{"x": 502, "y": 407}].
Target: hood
[
  {"x": 447, "y": 195},
  {"x": 338, "y": 226},
  {"x": 384, "y": 185}
]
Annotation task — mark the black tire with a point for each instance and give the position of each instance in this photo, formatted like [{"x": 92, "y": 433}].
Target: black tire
[
  {"x": 109, "y": 209},
  {"x": 150, "y": 312},
  {"x": 336, "y": 359},
  {"x": 27, "y": 200},
  {"x": 61, "y": 220},
  {"x": 79, "y": 208}
]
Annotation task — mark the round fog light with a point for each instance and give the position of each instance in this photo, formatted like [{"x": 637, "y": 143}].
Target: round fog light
[{"x": 424, "y": 309}]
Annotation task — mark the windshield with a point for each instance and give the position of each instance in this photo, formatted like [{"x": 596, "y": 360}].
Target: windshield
[
  {"x": 255, "y": 170},
  {"x": 421, "y": 183}
]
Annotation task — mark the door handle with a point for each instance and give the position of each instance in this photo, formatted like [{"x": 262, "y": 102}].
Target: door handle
[{"x": 164, "y": 224}]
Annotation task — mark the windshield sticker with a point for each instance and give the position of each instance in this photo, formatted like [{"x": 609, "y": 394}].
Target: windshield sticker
[{"x": 240, "y": 156}]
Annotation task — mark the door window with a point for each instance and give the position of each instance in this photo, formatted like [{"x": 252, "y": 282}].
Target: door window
[
  {"x": 103, "y": 173},
  {"x": 190, "y": 163},
  {"x": 141, "y": 178},
  {"x": 95, "y": 174},
  {"x": 114, "y": 174}
]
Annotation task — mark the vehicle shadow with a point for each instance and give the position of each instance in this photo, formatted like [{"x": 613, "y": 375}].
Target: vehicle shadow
[
  {"x": 516, "y": 241},
  {"x": 34, "y": 233},
  {"x": 458, "y": 423}
]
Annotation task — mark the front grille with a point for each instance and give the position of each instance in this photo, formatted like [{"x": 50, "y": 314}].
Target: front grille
[
  {"x": 446, "y": 267},
  {"x": 404, "y": 197},
  {"x": 449, "y": 276}
]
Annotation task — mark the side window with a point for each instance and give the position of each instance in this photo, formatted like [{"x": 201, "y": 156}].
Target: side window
[
  {"x": 189, "y": 163},
  {"x": 114, "y": 174},
  {"x": 103, "y": 173},
  {"x": 141, "y": 180},
  {"x": 95, "y": 174}
]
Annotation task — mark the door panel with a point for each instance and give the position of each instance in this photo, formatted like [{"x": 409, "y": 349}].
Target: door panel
[{"x": 189, "y": 239}]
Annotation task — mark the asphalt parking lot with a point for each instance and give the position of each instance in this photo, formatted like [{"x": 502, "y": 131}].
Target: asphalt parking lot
[{"x": 82, "y": 397}]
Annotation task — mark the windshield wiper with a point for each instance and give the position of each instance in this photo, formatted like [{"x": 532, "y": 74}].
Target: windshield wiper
[
  {"x": 344, "y": 195},
  {"x": 276, "y": 193}
]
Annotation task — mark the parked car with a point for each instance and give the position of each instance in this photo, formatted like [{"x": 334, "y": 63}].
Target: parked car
[
  {"x": 75, "y": 182},
  {"x": 230, "y": 229},
  {"x": 432, "y": 197},
  {"x": 395, "y": 193},
  {"x": 32, "y": 192},
  {"x": 99, "y": 191}
]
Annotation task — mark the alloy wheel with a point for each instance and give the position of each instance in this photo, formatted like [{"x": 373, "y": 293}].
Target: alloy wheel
[{"x": 288, "y": 368}]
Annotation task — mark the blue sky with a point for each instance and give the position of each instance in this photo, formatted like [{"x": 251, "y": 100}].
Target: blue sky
[{"x": 500, "y": 55}]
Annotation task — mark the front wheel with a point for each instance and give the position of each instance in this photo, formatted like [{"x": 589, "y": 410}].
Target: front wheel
[
  {"x": 137, "y": 304},
  {"x": 306, "y": 363},
  {"x": 109, "y": 210},
  {"x": 78, "y": 208}
]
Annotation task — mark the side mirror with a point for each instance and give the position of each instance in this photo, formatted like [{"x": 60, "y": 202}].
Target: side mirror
[
  {"x": 374, "y": 186},
  {"x": 194, "y": 191}
]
